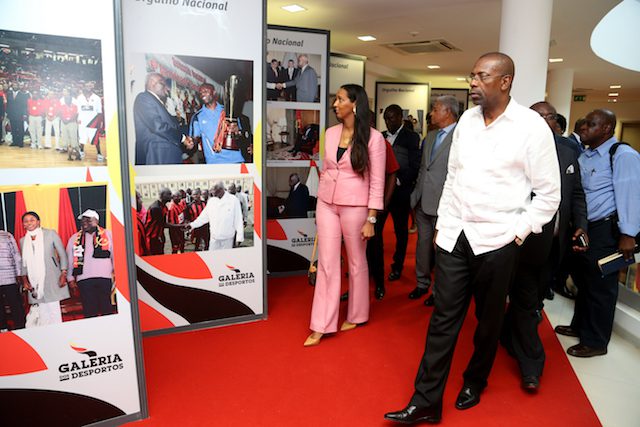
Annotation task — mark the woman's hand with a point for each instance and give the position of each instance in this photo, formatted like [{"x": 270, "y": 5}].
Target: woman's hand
[{"x": 367, "y": 231}]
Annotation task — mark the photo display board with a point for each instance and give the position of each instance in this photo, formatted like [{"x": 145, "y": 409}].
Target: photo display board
[
  {"x": 68, "y": 316},
  {"x": 194, "y": 126},
  {"x": 343, "y": 69},
  {"x": 413, "y": 98},
  {"x": 297, "y": 86}
]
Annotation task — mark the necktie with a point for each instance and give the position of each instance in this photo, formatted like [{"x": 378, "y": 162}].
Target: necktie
[{"x": 438, "y": 141}]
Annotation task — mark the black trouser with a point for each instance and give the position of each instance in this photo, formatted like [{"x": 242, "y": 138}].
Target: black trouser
[
  {"x": 95, "y": 295},
  {"x": 520, "y": 329},
  {"x": 597, "y": 296},
  {"x": 17, "y": 131},
  {"x": 156, "y": 246},
  {"x": 10, "y": 294},
  {"x": 460, "y": 275},
  {"x": 375, "y": 251},
  {"x": 399, "y": 208}
]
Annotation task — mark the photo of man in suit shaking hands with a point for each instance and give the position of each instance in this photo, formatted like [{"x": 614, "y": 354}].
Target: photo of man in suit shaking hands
[
  {"x": 158, "y": 137},
  {"x": 426, "y": 195},
  {"x": 306, "y": 82}
]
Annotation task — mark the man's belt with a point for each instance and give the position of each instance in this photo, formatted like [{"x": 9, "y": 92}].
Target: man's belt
[{"x": 611, "y": 217}]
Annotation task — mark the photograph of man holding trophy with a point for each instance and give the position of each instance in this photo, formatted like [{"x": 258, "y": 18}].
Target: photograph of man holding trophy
[
  {"x": 218, "y": 130},
  {"x": 218, "y": 91}
]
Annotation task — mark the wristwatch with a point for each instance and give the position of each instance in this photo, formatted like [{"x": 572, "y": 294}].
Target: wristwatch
[{"x": 372, "y": 219}]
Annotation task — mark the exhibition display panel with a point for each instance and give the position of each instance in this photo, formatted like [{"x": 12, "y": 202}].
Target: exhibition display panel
[{"x": 65, "y": 202}]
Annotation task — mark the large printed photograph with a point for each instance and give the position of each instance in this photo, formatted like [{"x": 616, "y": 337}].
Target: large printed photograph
[
  {"x": 175, "y": 217},
  {"x": 56, "y": 255},
  {"x": 293, "y": 134},
  {"x": 293, "y": 77},
  {"x": 191, "y": 110},
  {"x": 292, "y": 192},
  {"x": 51, "y": 101}
]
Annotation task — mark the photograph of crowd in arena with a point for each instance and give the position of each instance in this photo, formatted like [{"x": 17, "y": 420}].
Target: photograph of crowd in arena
[
  {"x": 51, "y": 101},
  {"x": 196, "y": 215},
  {"x": 56, "y": 256},
  {"x": 191, "y": 110}
]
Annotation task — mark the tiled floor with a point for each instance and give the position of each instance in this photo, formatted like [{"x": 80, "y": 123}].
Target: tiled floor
[{"x": 612, "y": 382}]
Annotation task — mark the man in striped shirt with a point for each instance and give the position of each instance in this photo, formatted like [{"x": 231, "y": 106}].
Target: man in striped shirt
[
  {"x": 175, "y": 216},
  {"x": 200, "y": 234}
]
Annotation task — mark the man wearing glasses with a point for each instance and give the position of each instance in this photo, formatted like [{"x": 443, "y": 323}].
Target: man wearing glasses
[{"x": 501, "y": 153}]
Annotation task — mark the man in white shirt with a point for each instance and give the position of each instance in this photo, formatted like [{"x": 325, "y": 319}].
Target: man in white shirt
[
  {"x": 89, "y": 107},
  {"x": 224, "y": 216},
  {"x": 501, "y": 153}
]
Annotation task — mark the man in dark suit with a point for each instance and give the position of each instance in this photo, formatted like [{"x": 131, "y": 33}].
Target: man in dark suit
[
  {"x": 540, "y": 257},
  {"x": 306, "y": 82},
  {"x": 425, "y": 198},
  {"x": 274, "y": 76},
  {"x": 290, "y": 73},
  {"x": 17, "y": 112},
  {"x": 575, "y": 135},
  {"x": 158, "y": 138},
  {"x": 297, "y": 203},
  {"x": 406, "y": 147}
]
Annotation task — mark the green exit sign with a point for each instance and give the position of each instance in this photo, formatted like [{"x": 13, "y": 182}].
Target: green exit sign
[{"x": 579, "y": 98}]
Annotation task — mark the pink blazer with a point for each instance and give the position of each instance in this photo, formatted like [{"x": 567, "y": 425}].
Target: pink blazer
[{"x": 341, "y": 185}]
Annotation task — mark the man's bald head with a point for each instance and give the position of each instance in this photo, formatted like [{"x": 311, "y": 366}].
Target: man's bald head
[
  {"x": 599, "y": 127},
  {"x": 502, "y": 63}
]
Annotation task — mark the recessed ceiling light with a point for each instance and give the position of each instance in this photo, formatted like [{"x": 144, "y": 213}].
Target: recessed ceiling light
[
  {"x": 433, "y": 67},
  {"x": 613, "y": 93},
  {"x": 612, "y": 100},
  {"x": 615, "y": 86},
  {"x": 556, "y": 59},
  {"x": 293, "y": 8},
  {"x": 366, "y": 38},
  {"x": 461, "y": 79}
]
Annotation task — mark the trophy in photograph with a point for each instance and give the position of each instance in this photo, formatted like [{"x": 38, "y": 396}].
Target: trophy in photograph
[{"x": 230, "y": 89}]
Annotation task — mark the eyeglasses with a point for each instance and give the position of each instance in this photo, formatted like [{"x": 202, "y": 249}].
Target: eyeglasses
[
  {"x": 481, "y": 77},
  {"x": 549, "y": 116}
]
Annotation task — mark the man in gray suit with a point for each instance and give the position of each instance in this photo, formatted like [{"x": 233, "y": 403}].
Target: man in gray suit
[
  {"x": 426, "y": 195},
  {"x": 306, "y": 82}
]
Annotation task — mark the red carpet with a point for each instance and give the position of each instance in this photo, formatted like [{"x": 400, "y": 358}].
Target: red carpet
[{"x": 259, "y": 374}]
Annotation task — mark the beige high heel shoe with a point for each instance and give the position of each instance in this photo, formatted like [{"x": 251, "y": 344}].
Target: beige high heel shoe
[
  {"x": 313, "y": 339},
  {"x": 347, "y": 326}
]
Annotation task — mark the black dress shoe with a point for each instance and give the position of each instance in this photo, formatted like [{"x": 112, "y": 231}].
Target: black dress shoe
[
  {"x": 380, "y": 291},
  {"x": 530, "y": 383},
  {"x": 412, "y": 414},
  {"x": 581, "y": 350},
  {"x": 567, "y": 331},
  {"x": 418, "y": 292},
  {"x": 549, "y": 295},
  {"x": 468, "y": 397},
  {"x": 566, "y": 292},
  {"x": 394, "y": 275},
  {"x": 430, "y": 302}
]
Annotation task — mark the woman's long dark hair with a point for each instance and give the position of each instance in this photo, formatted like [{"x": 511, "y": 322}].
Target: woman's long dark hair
[{"x": 361, "y": 128}]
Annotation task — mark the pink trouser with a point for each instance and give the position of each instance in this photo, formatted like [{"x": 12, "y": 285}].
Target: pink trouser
[{"x": 335, "y": 222}]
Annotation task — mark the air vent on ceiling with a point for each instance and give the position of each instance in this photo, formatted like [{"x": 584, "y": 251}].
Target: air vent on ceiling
[{"x": 426, "y": 46}]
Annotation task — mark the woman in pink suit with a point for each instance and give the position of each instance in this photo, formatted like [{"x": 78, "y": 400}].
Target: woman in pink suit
[{"x": 349, "y": 195}]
